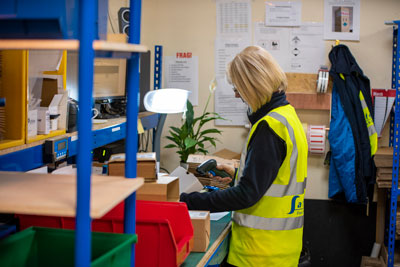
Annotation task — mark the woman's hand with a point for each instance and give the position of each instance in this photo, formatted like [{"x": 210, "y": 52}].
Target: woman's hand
[{"x": 225, "y": 180}]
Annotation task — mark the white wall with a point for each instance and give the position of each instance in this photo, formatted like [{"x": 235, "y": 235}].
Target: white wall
[{"x": 190, "y": 25}]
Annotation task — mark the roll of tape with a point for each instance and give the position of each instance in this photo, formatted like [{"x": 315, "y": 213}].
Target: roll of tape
[
  {"x": 316, "y": 135},
  {"x": 322, "y": 82}
]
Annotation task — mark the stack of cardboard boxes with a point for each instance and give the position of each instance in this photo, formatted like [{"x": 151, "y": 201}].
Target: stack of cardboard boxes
[{"x": 384, "y": 164}]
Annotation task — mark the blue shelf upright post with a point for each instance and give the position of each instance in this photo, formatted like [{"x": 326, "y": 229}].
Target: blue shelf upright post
[
  {"x": 131, "y": 120},
  {"x": 395, "y": 31},
  {"x": 158, "y": 66},
  {"x": 394, "y": 191},
  {"x": 158, "y": 53},
  {"x": 84, "y": 157}
]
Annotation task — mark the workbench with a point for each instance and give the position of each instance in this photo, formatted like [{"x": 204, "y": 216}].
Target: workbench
[{"x": 218, "y": 248}]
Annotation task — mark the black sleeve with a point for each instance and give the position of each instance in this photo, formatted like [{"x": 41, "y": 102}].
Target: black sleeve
[{"x": 266, "y": 152}]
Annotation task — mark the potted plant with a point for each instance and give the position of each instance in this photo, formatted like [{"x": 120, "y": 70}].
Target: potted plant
[{"x": 192, "y": 137}]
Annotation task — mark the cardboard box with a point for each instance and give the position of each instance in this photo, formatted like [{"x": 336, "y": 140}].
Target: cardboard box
[
  {"x": 201, "y": 229},
  {"x": 384, "y": 157},
  {"x": 146, "y": 165},
  {"x": 166, "y": 188},
  {"x": 55, "y": 100},
  {"x": 372, "y": 262},
  {"x": 227, "y": 154}
]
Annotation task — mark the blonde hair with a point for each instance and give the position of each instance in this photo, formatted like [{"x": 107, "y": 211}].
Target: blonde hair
[{"x": 256, "y": 76}]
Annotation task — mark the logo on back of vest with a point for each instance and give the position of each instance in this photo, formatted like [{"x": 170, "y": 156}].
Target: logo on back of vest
[{"x": 297, "y": 207}]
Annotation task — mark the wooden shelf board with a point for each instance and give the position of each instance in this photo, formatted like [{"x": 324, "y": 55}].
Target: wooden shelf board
[
  {"x": 59, "y": 44},
  {"x": 55, "y": 195},
  {"x": 45, "y": 136},
  {"x": 304, "y": 83},
  {"x": 312, "y": 101}
]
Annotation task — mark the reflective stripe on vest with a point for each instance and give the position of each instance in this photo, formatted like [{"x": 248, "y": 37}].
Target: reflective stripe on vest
[
  {"x": 373, "y": 135},
  {"x": 293, "y": 188},
  {"x": 273, "y": 224}
]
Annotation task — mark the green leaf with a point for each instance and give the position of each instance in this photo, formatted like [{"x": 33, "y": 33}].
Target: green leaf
[
  {"x": 170, "y": 146},
  {"x": 203, "y": 151},
  {"x": 210, "y": 139},
  {"x": 172, "y": 139},
  {"x": 200, "y": 144},
  {"x": 210, "y": 131},
  {"x": 177, "y": 130},
  {"x": 189, "y": 142},
  {"x": 189, "y": 115},
  {"x": 212, "y": 142},
  {"x": 176, "y": 138}
]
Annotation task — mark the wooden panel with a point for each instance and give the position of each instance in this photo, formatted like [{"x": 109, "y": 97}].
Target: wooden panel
[
  {"x": 309, "y": 100},
  {"x": 14, "y": 78},
  {"x": 304, "y": 83},
  {"x": 47, "y": 194}
]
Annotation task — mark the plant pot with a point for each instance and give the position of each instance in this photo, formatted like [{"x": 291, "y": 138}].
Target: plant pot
[{"x": 184, "y": 165}]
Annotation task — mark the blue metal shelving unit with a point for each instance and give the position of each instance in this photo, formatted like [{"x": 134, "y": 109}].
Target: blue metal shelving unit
[
  {"x": 86, "y": 36},
  {"x": 32, "y": 157},
  {"x": 394, "y": 193}
]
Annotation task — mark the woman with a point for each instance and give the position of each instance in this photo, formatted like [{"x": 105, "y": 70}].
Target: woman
[{"x": 268, "y": 195}]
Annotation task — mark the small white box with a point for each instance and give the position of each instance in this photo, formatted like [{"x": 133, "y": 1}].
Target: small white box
[
  {"x": 43, "y": 119},
  {"x": 53, "y": 124},
  {"x": 32, "y": 122}
]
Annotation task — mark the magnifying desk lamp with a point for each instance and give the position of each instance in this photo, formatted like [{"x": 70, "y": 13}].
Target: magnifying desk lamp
[{"x": 164, "y": 101}]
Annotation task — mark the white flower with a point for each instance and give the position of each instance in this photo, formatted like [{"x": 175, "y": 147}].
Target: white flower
[{"x": 213, "y": 85}]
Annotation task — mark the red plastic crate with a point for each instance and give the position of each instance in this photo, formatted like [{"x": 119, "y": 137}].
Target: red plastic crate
[
  {"x": 112, "y": 222},
  {"x": 164, "y": 229},
  {"x": 165, "y": 233}
]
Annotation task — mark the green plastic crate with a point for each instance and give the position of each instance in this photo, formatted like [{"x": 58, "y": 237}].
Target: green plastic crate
[{"x": 38, "y": 246}]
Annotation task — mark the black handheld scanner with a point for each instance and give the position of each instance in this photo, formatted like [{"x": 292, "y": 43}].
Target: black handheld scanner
[{"x": 210, "y": 166}]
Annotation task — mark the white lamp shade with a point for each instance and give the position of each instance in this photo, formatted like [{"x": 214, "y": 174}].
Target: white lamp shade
[{"x": 166, "y": 101}]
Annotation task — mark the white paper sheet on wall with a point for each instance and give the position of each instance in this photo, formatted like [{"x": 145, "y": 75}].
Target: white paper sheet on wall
[
  {"x": 299, "y": 49},
  {"x": 275, "y": 40},
  {"x": 225, "y": 50},
  {"x": 234, "y": 18},
  {"x": 307, "y": 48},
  {"x": 282, "y": 13},
  {"x": 232, "y": 109},
  {"x": 183, "y": 73}
]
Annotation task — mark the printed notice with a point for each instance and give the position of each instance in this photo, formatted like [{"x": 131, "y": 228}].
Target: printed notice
[
  {"x": 234, "y": 18},
  {"x": 300, "y": 49},
  {"x": 232, "y": 109},
  {"x": 181, "y": 71},
  {"x": 225, "y": 50},
  {"x": 282, "y": 13},
  {"x": 307, "y": 48}
]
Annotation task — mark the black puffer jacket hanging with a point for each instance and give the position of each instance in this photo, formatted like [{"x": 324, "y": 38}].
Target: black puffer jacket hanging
[{"x": 351, "y": 95}]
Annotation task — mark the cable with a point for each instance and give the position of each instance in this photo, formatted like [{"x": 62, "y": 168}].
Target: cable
[
  {"x": 109, "y": 19},
  {"x": 147, "y": 141}
]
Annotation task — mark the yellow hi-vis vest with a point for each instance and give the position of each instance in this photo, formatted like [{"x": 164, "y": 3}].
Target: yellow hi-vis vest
[{"x": 270, "y": 232}]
